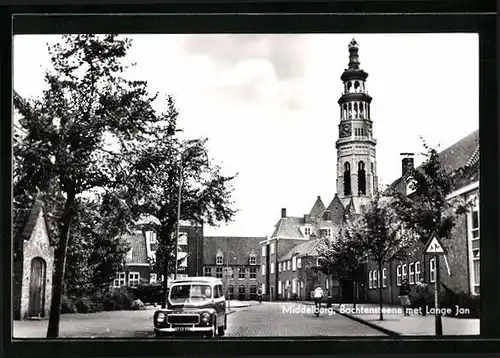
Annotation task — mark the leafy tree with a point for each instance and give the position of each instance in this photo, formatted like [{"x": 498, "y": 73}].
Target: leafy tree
[
  {"x": 427, "y": 210},
  {"x": 159, "y": 166},
  {"x": 342, "y": 254},
  {"x": 77, "y": 130},
  {"x": 96, "y": 250},
  {"x": 378, "y": 236}
]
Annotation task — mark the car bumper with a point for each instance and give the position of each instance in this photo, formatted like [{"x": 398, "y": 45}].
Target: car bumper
[{"x": 184, "y": 329}]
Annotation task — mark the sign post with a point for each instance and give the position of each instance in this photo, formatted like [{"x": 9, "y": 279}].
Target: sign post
[
  {"x": 228, "y": 272},
  {"x": 435, "y": 248}
]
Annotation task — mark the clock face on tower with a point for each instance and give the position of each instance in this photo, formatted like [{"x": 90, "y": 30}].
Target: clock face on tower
[{"x": 345, "y": 130}]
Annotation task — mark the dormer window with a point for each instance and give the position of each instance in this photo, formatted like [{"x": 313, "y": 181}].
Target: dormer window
[
  {"x": 151, "y": 237},
  {"x": 307, "y": 231},
  {"x": 410, "y": 186},
  {"x": 253, "y": 259},
  {"x": 219, "y": 259}
]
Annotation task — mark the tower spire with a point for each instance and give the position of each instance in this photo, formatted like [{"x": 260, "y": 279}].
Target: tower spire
[
  {"x": 356, "y": 158},
  {"x": 353, "y": 55}
]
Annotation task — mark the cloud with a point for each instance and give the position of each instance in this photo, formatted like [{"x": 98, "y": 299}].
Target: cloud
[{"x": 286, "y": 53}]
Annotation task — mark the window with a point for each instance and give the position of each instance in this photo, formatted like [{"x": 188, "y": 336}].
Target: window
[
  {"x": 271, "y": 248},
  {"x": 307, "y": 231},
  {"x": 253, "y": 291},
  {"x": 241, "y": 289},
  {"x": 432, "y": 270},
  {"x": 327, "y": 284},
  {"x": 279, "y": 266},
  {"x": 411, "y": 269},
  {"x": 219, "y": 259},
  {"x": 242, "y": 273},
  {"x": 218, "y": 272},
  {"x": 384, "y": 277},
  {"x": 253, "y": 260},
  {"x": 379, "y": 274},
  {"x": 361, "y": 178},
  {"x": 133, "y": 278},
  {"x": 288, "y": 265},
  {"x": 370, "y": 279},
  {"x": 119, "y": 280},
  {"x": 207, "y": 271},
  {"x": 347, "y": 179},
  {"x": 183, "y": 238},
  {"x": 375, "y": 279},
  {"x": 263, "y": 288},
  {"x": 151, "y": 237},
  {"x": 299, "y": 262},
  {"x": 398, "y": 275},
  {"x": 417, "y": 271},
  {"x": 294, "y": 286},
  {"x": 152, "y": 278},
  {"x": 263, "y": 267},
  {"x": 405, "y": 272},
  {"x": 253, "y": 273},
  {"x": 474, "y": 244},
  {"x": 294, "y": 263},
  {"x": 230, "y": 292},
  {"x": 264, "y": 251},
  {"x": 271, "y": 267},
  {"x": 279, "y": 287}
]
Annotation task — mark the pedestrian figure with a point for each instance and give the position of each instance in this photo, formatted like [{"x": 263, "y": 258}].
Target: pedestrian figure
[
  {"x": 422, "y": 296},
  {"x": 318, "y": 296},
  {"x": 259, "y": 295},
  {"x": 404, "y": 296}
]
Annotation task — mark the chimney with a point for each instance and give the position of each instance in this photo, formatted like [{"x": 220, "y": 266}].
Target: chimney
[
  {"x": 326, "y": 215},
  {"x": 307, "y": 218},
  {"x": 283, "y": 212},
  {"x": 407, "y": 163}
]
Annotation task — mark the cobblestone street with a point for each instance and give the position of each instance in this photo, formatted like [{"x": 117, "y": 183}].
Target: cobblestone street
[
  {"x": 259, "y": 320},
  {"x": 279, "y": 320}
]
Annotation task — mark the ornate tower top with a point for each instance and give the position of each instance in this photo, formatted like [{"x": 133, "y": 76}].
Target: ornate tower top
[
  {"x": 353, "y": 72},
  {"x": 353, "y": 57}
]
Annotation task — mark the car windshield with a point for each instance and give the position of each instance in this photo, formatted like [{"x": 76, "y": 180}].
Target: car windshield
[{"x": 187, "y": 292}]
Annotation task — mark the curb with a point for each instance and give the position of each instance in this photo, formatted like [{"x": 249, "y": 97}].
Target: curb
[{"x": 369, "y": 324}]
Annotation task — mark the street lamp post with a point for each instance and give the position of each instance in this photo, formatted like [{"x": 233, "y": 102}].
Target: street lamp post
[{"x": 227, "y": 277}]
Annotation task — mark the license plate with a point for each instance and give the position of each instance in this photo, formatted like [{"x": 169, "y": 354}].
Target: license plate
[{"x": 182, "y": 329}]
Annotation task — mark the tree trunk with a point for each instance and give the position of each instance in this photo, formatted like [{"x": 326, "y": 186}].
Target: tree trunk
[
  {"x": 60, "y": 266},
  {"x": 381, "y": 317},
  {"x": 165, "y": 283}
]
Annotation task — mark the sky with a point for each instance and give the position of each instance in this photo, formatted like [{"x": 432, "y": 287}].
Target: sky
[{"x": 268, "y": 104}]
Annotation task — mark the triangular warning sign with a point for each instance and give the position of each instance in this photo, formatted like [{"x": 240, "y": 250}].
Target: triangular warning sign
[{"x": 434, "y": 246}]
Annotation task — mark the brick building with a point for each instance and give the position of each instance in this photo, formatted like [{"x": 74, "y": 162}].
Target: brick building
[
  {"x": 33, "y": 263},
  {"x": 143, "y": 242},
  {"x": 241, "y": 255},
  {"x": 462, "y": 248}
]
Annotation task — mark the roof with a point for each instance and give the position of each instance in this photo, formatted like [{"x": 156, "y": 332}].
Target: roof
[
  {"x": 236, "y": 249},
  {"x": 137, "y": 242},
  {"x": 197, "y": 279},
  {"x": 317, "y": 208},
  {"x": 308, "y": 248},
  {"x": 24, "y": 222},
  {"x": 336, "y": 209},
  {"x": 288, "y": 227},
  {"x": 462, "y": 154}
]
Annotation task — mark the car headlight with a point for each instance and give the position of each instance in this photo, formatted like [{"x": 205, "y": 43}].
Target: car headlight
[
  {"x": 160, "y": 317},
  {"x": 205, "y": 317}
]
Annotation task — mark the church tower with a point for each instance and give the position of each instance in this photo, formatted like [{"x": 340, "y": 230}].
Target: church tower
[{"x": 356, "y": 158}]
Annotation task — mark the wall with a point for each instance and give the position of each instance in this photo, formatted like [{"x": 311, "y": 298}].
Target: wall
[
  {"x": 458, "y": 261},
  {"x": 37, "y": 246}
]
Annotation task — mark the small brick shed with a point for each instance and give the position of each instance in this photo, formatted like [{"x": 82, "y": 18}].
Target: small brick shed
[{"x": 33, "y": 261}]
